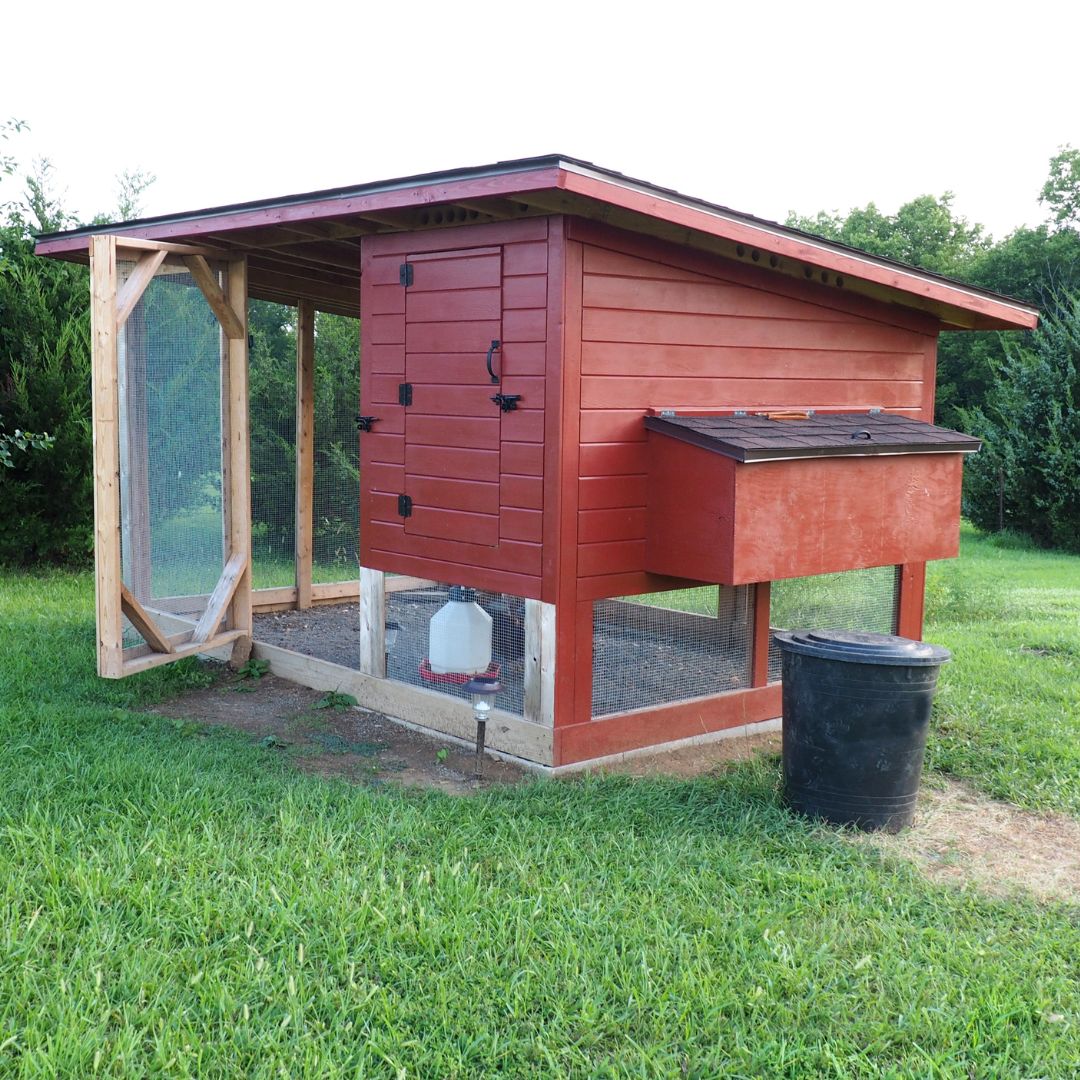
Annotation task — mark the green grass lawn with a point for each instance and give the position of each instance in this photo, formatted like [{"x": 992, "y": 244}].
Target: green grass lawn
[
  {"x": 1007, "y": 715},
  {"x": 181, "y": 902}
]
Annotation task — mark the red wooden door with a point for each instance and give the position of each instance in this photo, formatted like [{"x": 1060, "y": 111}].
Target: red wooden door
[{"x": 453, "y": 314}]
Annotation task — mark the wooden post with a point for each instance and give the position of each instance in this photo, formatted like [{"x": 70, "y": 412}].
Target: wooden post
[
  {"x": 105, "y": 383},
  {"x": 759, "y": 654},
  {"x": 135, "y": 455},
  {"x": 539, "y": 674},
  {"x": 911, "y": 600},
  {"x": 373, "y": 622},
  {"x": 305, "y": 447},
  {"x": 237, "y": 454}
]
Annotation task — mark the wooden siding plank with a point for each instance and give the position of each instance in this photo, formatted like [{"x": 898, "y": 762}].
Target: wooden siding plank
[
  {"x": 702, "y": 298},
  {"x": 523, "y": 358},
  {"x": 527, "y": 325},
  {"x": 385, "y": 359},
  {"x": 615, "y": 392},
  {"x": 526, "y": 492},
  {"x": 664, "y": 328},
  {"x": 517, "y": 524},
  {"x": 521, "y": 259},
  {"x": 465, "y": 464},
  {"x": 452, "y": 337},
  {"x": 444, "y": 493},
  {"x": 398, "y": 561},
  {"x": 457, "y": 305},
  {"x": 525, "y": 292},
  {"x": 614, "y": 459},
  {"x": 524, "y": 459},
  {"x": 385, "y": 329},
  {"x": 441, "y": 431},
  {"x": 620, "y": 523},
  {"x": 512, "y": 555},
  {"x": 620, "y": 556},
  {"x": 610, "y": 492},
  {"x": 523, "y": 425},
  {"x": 452, "y": 273},
  {"x": 468, "y": 528},
  {"x": 620, "y": 358}
]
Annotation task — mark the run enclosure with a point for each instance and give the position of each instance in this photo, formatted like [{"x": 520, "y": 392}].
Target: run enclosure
[{"x": 519, "y": 324}]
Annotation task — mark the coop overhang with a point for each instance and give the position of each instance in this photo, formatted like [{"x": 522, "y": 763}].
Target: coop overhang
[
  {"x": 739, "y": 499},
  {"x": 306, "y": 246}
]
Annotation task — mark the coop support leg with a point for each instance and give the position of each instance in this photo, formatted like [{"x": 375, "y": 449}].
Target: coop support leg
[
  {"x": 373, "y": 622},
  {"x": 539, "y": 674}
]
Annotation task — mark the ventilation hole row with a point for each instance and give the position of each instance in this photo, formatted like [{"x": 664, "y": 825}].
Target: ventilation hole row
[
  {"x": 740, "y": 250},
  {"x": 824, "y": 276},
  {"x": 456, "y": 215}
]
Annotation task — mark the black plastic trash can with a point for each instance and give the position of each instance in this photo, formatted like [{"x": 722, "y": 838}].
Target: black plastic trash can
[{"x": 856, "y": 712}]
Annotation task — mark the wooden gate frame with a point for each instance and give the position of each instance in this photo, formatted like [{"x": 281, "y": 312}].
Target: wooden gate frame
[{"x": 230, "y": 602}]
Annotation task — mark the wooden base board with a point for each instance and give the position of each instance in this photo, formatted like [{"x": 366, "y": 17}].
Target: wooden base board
[
  {"x": 743, "y": 731},
  {"x": 423, "y": 708}
]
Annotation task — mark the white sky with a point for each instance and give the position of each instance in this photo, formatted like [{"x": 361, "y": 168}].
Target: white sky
[{"x": 764, "y": 107}]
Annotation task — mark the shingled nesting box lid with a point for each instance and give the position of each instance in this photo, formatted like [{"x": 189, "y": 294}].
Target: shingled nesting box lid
[
  {"x": 740, "y": 499},
  {"x": 765, "y": 437}
]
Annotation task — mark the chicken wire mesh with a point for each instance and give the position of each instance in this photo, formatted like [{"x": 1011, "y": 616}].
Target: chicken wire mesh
[
  {"x": 172, "y": 524},
  {"x": 336, "y": 483},
  {"x": 408, "y": 619},
  {"x": 665, "y": 647},
  {"x": 272, "y": 423},
  {"x": 850, "y": 600}
]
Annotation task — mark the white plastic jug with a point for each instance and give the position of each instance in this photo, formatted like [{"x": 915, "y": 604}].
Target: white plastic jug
[{"x": 459, "y": 635}]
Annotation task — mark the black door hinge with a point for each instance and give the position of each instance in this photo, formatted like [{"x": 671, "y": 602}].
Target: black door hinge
[
  {"x": 364, "y": 422},
  {"x": 506, "y": 402},
  {"x": 404, "y": 393},
  {"x": 405, "y": 274},
  {"x": 404, "y": 506}
]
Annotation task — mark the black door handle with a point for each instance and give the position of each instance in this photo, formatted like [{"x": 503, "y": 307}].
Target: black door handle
[{"x": 495, "y": 346}]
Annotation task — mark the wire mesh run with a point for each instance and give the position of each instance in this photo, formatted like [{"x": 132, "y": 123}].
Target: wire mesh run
[
  {"x": 172, "y": 524},
  {"x": 272, "y": 421},
  {"x": 408, "y": 619},
  {"x": 673, "y": 646},
  {"x": 850, "y": 600},
  {"x": 336, "y": 483}
]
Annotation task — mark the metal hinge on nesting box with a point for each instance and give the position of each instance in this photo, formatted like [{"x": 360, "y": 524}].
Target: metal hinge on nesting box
[
  {"x": 404, "y": 393},
  {"x": 405, "y": 274},
  {"x": 404, "y": 506}
]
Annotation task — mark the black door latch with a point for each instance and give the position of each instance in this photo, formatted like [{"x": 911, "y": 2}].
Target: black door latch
[
  {"x": 506, "y": 402},
  {"x": 364, "y": 422}
]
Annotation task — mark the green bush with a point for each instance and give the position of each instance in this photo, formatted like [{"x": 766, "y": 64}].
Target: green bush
[
  {"x": 1025, "y": 478},
  {"x": 45, "y": 387}
]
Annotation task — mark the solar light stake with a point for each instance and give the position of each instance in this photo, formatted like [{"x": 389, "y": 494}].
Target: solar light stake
[{"x": 482, "y": 689}]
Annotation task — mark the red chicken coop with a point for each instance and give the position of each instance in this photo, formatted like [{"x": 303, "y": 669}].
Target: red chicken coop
[{"x": 638, "y": 432}]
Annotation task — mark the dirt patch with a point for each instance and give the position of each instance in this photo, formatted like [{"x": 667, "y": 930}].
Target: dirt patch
[
  {"x": 355, "y": 743},
  {"x": 691, "y": 761},
  {"x": 964, "y": 837}
]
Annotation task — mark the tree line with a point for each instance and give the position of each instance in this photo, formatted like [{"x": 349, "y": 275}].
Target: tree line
[{"x": 1018, "y": 392}]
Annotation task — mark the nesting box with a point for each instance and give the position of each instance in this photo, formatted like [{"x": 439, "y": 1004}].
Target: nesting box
[{"x": 650, "y": 430}]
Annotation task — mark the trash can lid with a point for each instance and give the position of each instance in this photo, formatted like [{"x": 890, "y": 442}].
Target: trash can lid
[{"x": 861, "y": 647}]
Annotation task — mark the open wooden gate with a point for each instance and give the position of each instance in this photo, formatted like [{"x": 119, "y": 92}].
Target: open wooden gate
[{"x": 169, "y": 361}]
